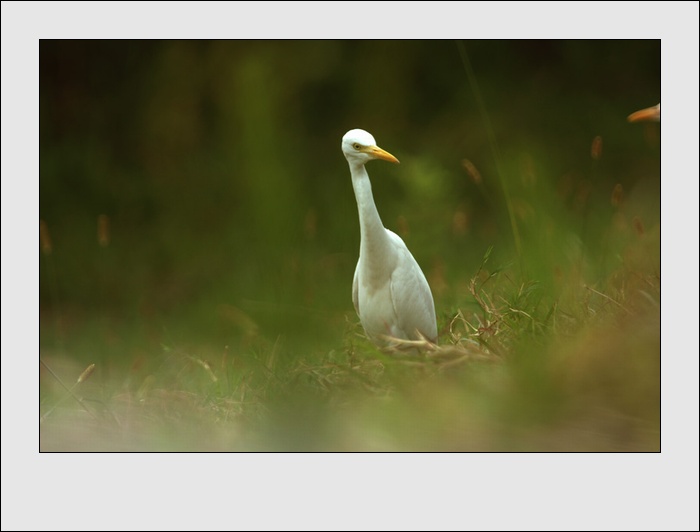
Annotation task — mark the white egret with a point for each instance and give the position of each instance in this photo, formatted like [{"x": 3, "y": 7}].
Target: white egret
[
  {"x": 390, "y": 292},
  {"x": 650, "y": 114}
]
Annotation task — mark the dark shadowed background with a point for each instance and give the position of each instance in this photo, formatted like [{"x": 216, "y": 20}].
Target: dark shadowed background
[{"x": 192, "y": 190}]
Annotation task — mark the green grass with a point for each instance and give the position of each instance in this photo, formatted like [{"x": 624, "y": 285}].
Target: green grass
[
  {"x": 517, "y": 369},
  {"x": 215, "y": 301}
]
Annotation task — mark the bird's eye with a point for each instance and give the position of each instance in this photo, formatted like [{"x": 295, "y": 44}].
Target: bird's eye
[{"x": 356, "y": 146}]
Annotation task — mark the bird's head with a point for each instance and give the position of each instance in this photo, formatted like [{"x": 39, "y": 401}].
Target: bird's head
[{"x": 360, "y": 147}]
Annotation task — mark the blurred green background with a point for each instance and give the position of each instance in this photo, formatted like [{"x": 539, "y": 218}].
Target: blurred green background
[{"x": 195, "y": 204}]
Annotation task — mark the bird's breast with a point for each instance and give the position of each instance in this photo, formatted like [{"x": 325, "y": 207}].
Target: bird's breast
[{"x": 375, "y": 307}]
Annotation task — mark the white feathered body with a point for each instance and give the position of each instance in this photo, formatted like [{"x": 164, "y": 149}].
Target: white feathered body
[
  {"x": 385, "y": 307},
  {"x": 390, "y": 292}
]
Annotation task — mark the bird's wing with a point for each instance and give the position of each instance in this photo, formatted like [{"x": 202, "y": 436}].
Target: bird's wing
[
  {"x": 411, "y": 296},
  {"x": 355, "y": 297}
]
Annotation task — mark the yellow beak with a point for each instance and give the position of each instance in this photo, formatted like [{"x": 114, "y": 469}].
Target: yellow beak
[
  {"x": 648, "y": 114},
  {"x": 379, "y": 153}
]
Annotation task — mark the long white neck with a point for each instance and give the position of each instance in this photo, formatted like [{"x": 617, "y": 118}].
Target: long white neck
[{"x": 375, "y": 244}]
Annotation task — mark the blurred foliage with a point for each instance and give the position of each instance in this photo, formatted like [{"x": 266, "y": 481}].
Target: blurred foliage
[{"x": 195, "y": 203}]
